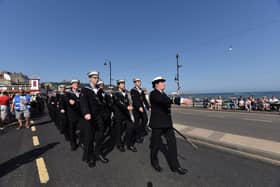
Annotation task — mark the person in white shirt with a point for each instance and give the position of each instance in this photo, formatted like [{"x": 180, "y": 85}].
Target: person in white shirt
[{"x": 273, "y": 99}]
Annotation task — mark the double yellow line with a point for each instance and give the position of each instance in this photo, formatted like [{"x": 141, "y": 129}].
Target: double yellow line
[{"x": 40, "y": 162}]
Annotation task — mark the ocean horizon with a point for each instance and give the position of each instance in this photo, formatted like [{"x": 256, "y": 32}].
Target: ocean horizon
[{"x": 226, "y": 95}]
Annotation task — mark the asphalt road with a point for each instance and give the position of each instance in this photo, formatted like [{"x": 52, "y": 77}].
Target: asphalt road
[
  {"x": 255, "y": 125},
  {"x": 208, "y": 167}
]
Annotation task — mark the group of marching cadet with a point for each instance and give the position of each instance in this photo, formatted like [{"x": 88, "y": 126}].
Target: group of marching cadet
[
  {"x": 103, "y": 118},
  {"x": 99, "y": 120}
]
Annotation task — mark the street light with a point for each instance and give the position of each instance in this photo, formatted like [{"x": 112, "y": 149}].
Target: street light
[
  {"x": 110, "y": 67},
  {"x": 177, "y": 76}
]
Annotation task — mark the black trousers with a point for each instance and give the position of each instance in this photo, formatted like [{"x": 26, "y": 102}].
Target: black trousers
[
  {"x": 156, "y": 144},
  {"x": 99, "y": 136},
  {"x": 107, "y": 123},
  {"x": 124, "y": 127},
  {"x": 92, "y": 138},
  {"x": 141, "y": 120},
  {"x": 88, "y": 138},
  {"x": 73, "y": 125},
  {"x": 63, "y": 125},
  {"x": 52, "y": 112}
]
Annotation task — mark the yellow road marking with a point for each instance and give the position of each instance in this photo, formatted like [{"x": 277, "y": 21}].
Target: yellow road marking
[
  {"x": 33, "y": 128},
  {"x": 42, "y": 170},
  {"x": 35, "y": 141}
]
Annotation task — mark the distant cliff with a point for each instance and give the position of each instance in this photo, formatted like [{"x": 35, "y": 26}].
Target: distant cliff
[{"x": 13, "y": 78}]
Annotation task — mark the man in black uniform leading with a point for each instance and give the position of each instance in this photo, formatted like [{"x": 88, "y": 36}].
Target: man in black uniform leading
[
  {"x": 140, "y": 105},
  {"x": 93, "y": 126},
  {"x": 162, "y": 125}
]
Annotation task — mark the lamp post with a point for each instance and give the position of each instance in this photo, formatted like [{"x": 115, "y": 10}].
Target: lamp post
[
  {"x": 177, "y": 75},
  {"x": 110, "y": 67}
]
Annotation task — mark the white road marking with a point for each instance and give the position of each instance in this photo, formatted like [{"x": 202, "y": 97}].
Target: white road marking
[
  {"x": 257, "y": 120},
  {"x": 216, "y": 116}
]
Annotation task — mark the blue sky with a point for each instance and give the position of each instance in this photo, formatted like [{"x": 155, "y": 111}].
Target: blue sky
[{"x": 64, "y": 39}]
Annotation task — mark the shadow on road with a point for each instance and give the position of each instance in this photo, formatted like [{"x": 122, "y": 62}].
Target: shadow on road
[
  {"x": 42, "y": 123},
  {"x": 24, "y": 158}
]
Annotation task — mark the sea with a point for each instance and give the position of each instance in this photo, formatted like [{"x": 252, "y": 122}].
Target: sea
[{"x": 227, "y": 95}]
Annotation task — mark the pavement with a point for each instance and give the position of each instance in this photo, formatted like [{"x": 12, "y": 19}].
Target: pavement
[{"x": 248, "y": 134}]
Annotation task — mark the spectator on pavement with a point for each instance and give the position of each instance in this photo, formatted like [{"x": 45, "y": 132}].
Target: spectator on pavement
[
  {"x": 248, "y": 104},
  {"x": 21, "y": 106},
  {"x": 212, "y": 104},
  {"x": 264, "y": 104},
  {"x": 241, "y": 103},
  {"x": 4, "y": 108},
  {"x": 273, "y": 100},
  {"x": 218, "y": 103}
]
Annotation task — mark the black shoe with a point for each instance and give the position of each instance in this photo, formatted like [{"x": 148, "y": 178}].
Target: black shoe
[
  {"x": 140, "y": 140},
  {"x": 157, "y": 167},
  {"x": 91, "y": 164},
  {"x": 102, "y": 159},
  {"x": 145, "y": 133},
  {"x": 132, "y": 148},
  {"x": 121, "y": 148},
  {"x": 74, "y": 148},
  {"x": 82, "y": 145},
  {"x": 180, "y": 171}
]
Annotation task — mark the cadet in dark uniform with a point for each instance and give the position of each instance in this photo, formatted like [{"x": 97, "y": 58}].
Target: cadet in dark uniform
[
  {"x": 140, "y": 105},
  {"x": 61, "y": 117},
  {"x": 110, "y": 139},
  {"x": 93, "y": 128},
  {"x": 105, "y": 111},
  {"x": 52, "y": 106},
  {"x": 123, "y": 121},
  {"x": 74, "y": 114},
  {"x": 110, "y": 101},
  {"x": 162, "y": 125}
]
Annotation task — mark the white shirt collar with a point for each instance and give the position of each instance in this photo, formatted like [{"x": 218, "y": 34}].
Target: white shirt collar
[
  {"x": 138, "y": 89},
  {"x": 123, "y": 92},
  {"x": 161, "y": 91}
]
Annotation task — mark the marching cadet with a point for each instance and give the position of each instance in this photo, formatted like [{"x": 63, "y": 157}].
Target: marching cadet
[
  {"x": 110, "y": 100},
  {"x": 140, "y": 105},
  {"x": 106, "y": 114},
  {"x": 161, "y": 125},
  {"x": 92, "y": 123},
  {"x": 61, "y": 117},
  {"x": 73, "y": 112},
  {"x": 52, "y": 106},
  {"x": 123, "y": 121}
]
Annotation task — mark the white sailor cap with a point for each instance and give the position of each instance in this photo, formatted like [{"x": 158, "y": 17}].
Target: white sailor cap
[
  {"x": 136, "y": 79},
  {"x": 68, "y": 87},
  {"x": 120, "y": 81},
  {"x": 158, "y": 79},
  {"x": 100, "y": 82},
  {"x": 96, "y": 73},
  {"x": 75, "y": 81},
  {"x": 111, "y": 87}
]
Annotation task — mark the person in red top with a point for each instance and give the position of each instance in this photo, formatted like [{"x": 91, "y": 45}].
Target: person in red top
[{"x": 4, "y": 107}]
